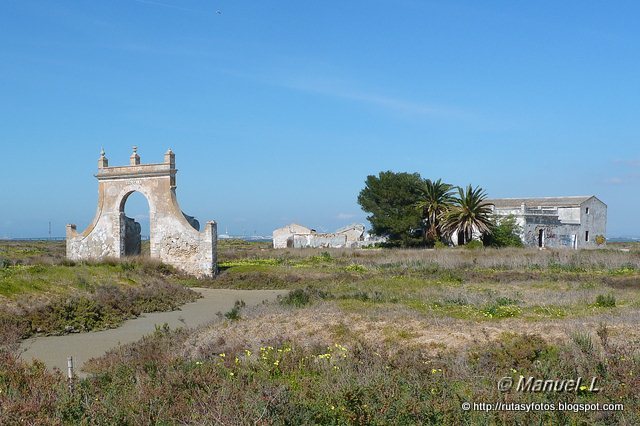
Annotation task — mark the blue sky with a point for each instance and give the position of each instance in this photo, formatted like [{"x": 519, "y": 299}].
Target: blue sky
[{"x": 278, "y": 110}]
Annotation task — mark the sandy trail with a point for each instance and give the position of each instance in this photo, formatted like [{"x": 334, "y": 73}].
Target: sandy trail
[{"x": 54, "y": 350}]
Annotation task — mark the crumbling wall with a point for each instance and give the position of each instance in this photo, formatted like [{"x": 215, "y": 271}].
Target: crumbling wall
[
  {"x": 297, "y": 236},
  {"x": 320, "y": 241},
  {"x": 132, "y": 237},
  {"x": 283, "y": 237}
]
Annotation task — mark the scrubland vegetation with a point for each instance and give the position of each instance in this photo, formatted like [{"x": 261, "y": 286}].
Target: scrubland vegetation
[
  {"x": 43, "y": 293},
  {"x": 363, "y": 337}
]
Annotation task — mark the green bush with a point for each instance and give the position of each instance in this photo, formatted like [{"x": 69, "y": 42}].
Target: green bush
[
  {"x": 354, "y": 267},
  {"x": 439, "y": 245},
  {"x": 501, "y": 311},
  {"x": 234, "y": 313},
  {"x": 297, "y": 298},
  {"x": 606, "y": 301},
  {"x": 505, "y": 301},
  {"x": 107, "y": 307},
  {"x": 514, "y": 351},
  {"x": 583, "y": 341},
  {"x": 302, "y": 297},
  {"x": 474, "y": 245},
  {"x": 505, "y": 233}
]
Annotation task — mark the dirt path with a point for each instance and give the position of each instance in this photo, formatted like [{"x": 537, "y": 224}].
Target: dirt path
[{"x": 54, "y": 350}]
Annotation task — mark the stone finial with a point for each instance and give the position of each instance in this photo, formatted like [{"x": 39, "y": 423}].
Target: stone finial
[
  {"x": 134, "y": 160},
  {"x": 102, "y": 161},
  {"x": 170, "y": 158}
]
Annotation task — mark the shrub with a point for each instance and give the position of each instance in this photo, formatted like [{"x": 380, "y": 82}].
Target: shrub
[
  {"x": 107, "y": 307},
  {"x": 234, "y": 313},
  {"x": 606, "y": 301},
  {"x": 439, "y": 245},
  {"x": 501, "y": 311},
  {"x": 514, "y": 351},
  {"x": 324, "y": 257},
  {"x": 450, "y": 277},
  {"x": 505, "y": 233},
  {"x": 600, "y": 240},
  {"x": 354, "y": 267},
  {"x": 297, "y": 298},
  {"x": 474, "y": 245},
  {"x": 301, "y": 297},
  {"x": 583, "y": 341},
  {"x": 505, "y": 301}
]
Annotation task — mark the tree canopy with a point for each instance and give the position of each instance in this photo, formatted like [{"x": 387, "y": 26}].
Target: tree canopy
[
  {"x": 436, "y": 199},
  {"x": 402, "y": 206},
  {"x": 390, "y": 200},
  {"x": 470, "y": 212},
  {"x": 506, "y": 233}
]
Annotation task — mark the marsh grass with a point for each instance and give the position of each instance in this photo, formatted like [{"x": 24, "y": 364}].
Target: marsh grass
[
  {"x": 420, "y": 273},
  {"x": 57, "y": 296},
  {"x": 282, "y": 382},
  {"x": 363, "y": 337}
]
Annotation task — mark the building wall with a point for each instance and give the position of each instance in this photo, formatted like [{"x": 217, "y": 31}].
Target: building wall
[
  {"x": 567, "y": 229},
  {"x": 569, "y": 214},
  {"x": 595, "y": 222},
  {"x": 283, "y": 237},
  {"x": 320, "y": 241},
  {"x": 554, "y": 233},
  {"x": 298, "y": 236},
  {"x": 132, "y": 236},
  {"x": 353, "y": 235}
]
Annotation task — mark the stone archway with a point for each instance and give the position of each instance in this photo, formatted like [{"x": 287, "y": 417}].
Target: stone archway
[{"x": 175, "y": 237}]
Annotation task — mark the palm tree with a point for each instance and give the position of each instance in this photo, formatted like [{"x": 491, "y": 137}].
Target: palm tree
[
  {"x": 470, "y": 212},
  {"x": 436, "y": 199}
]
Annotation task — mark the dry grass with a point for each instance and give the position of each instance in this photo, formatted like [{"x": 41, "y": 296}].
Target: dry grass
[{"x": 369, "y": 337}]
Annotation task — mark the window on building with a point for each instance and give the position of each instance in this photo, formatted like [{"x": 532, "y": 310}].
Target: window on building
[
  {"x": 587, "y": 210},
  {"x": 586, "y": 235}
]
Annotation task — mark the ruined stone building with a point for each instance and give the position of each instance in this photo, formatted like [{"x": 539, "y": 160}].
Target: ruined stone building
[
  {"x": 175, "y": 237},
  {"x": 298, "y": 236},
  {"x": 570, "y": 222}
]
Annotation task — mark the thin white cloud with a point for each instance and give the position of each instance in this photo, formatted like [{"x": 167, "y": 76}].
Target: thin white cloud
[
  {"x": 167, "y": 5},
  {"x": 614, "y": 181},
  {"x": 633, "y": 163},
  {"x": 630, "y": 178},
  {"x": 398, "y": 105},
  {"x": 627, "y": 178},
  {"x": 345, "y": 216}
]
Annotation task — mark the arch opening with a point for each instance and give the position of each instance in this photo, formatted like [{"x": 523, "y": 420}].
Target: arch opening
[{"x": 136, "y": 226}]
